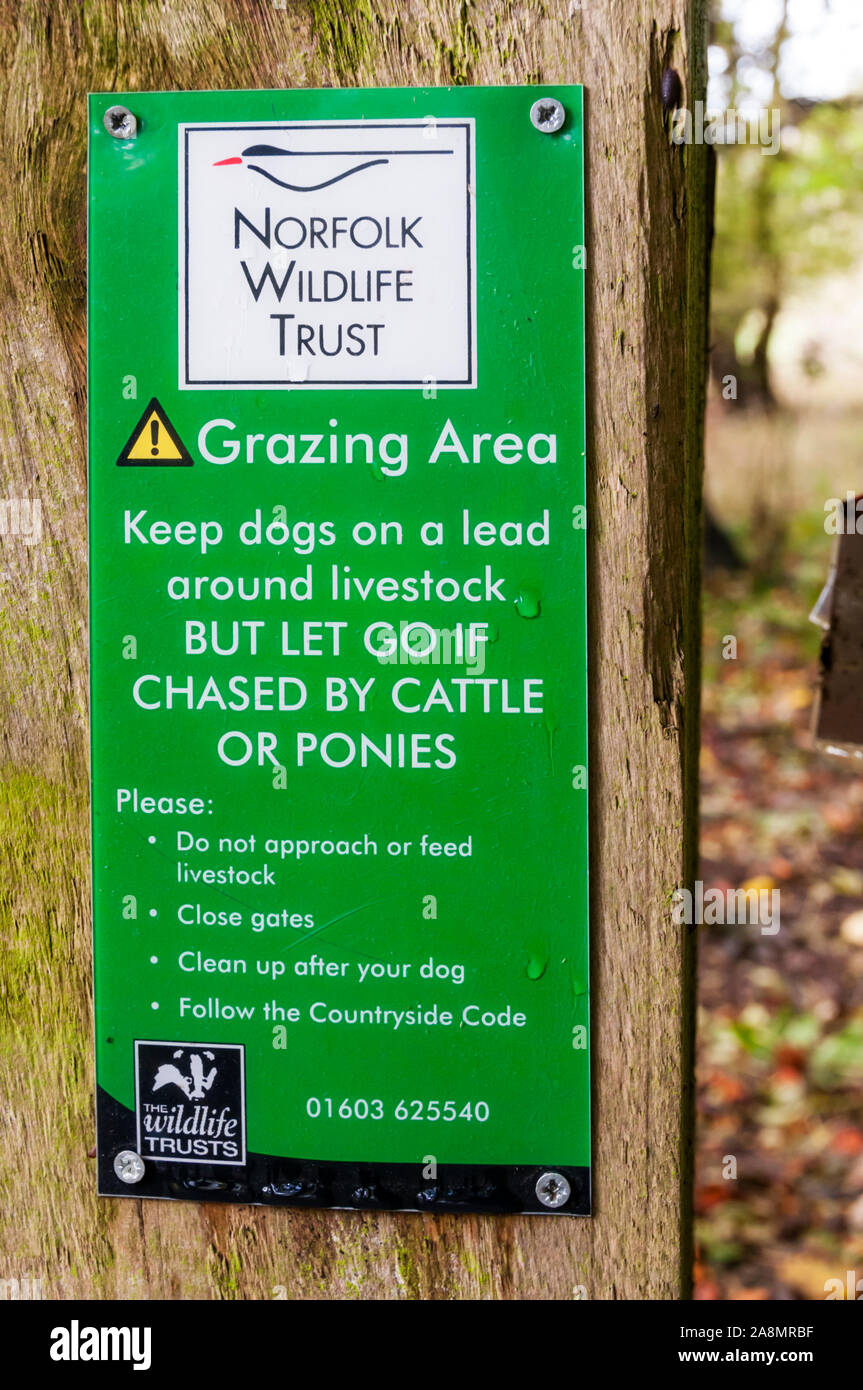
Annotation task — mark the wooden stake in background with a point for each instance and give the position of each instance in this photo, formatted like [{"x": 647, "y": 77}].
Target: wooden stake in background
[{"x": 647, "y": 316}]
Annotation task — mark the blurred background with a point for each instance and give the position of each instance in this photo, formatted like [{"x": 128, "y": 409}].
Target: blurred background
[{"x": 780, "y": 1080}]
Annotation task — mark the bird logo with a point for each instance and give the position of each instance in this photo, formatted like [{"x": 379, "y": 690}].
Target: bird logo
[
  {"x": 194, "y": 1086},
  {"x": 269, "y": 152}
]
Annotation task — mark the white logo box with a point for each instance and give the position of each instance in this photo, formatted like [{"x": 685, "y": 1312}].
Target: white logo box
[{"x": 327, "y": 254}]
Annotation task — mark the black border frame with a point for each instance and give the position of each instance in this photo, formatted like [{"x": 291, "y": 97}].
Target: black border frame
[{"x": 273, "y": 1180}]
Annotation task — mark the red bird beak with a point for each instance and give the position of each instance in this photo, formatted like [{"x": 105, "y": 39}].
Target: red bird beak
[{"x": 236, "y": 160}]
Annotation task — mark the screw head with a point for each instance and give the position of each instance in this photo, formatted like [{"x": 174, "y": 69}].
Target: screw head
[
  {"x": 548, "y": 115},
  {"x": 129, "y": 1166},
  {"x": 553, "y": 1190},
  {"x": 119, "y": 122}
]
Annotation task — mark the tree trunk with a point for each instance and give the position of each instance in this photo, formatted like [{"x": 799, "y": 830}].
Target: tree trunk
[
  {"x": 761, "y": 357},
  {"x": 646, "y": 295}
]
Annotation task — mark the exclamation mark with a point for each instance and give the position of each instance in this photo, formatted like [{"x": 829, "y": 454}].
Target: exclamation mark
[{"x": 154, "y": 437}]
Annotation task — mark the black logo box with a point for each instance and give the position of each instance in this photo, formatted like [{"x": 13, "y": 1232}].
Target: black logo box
[{"x": 224, "y": 1089}]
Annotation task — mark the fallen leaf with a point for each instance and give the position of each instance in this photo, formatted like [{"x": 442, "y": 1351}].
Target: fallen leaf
[
  {"x": 851, "y": 929},
  {"x": 847, "y": 881},
  {"x": 781, "y": 868},
  {"x": 809, "y": 1274},
  {"x": 711, "y": 1195},
  {"x": 800, "y": 697},
  {"x": 706, "y": 1291},
  {"x": 841, "y": 818},
  {"x": 760, "y": 883},
  {"x": 848, "y": 1141},
  {"x": 729, "y": 1088}
]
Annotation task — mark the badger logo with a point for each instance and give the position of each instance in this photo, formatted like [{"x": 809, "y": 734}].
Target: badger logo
[{"x": 190, "y": 1102}]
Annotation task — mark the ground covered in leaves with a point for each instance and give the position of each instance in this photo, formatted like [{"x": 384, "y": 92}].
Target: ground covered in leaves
[{"x": 779, "y": 1199}]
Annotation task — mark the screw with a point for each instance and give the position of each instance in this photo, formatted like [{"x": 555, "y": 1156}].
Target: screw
[
  {"x": 548, "y": 114},
  {"x": 119, "y": 122},
  {"x": 129, "y": 1166},
  {"x": 553, "y": 1190}
]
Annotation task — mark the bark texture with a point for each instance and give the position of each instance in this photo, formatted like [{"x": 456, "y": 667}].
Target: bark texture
[{"x": 647, "y": 351}]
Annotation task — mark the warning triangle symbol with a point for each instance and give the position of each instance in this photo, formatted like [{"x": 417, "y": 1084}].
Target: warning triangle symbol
[{"x": 154, "y": 443}]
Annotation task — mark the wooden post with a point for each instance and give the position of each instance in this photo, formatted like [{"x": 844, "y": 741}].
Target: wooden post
[{"x": 646, "y": 281}]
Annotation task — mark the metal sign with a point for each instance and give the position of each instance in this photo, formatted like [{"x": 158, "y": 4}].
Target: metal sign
[{"x": 338, "y": 631}]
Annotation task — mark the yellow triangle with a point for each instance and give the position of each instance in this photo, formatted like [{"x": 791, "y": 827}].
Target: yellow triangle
[{"x": 154, "y": 443}]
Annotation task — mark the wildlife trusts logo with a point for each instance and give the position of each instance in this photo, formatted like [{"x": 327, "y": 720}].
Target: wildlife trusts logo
[
  {"x": 190, "y": 1102},
  {"x": 321, "y": 254},
  {"x": 194, "y": 1086}
]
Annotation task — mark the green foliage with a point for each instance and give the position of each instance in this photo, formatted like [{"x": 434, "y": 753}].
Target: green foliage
[{"x": 786, "y": 217}]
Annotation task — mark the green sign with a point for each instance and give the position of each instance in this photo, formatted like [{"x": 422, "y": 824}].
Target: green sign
[{"x": 339, "y": 729}]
